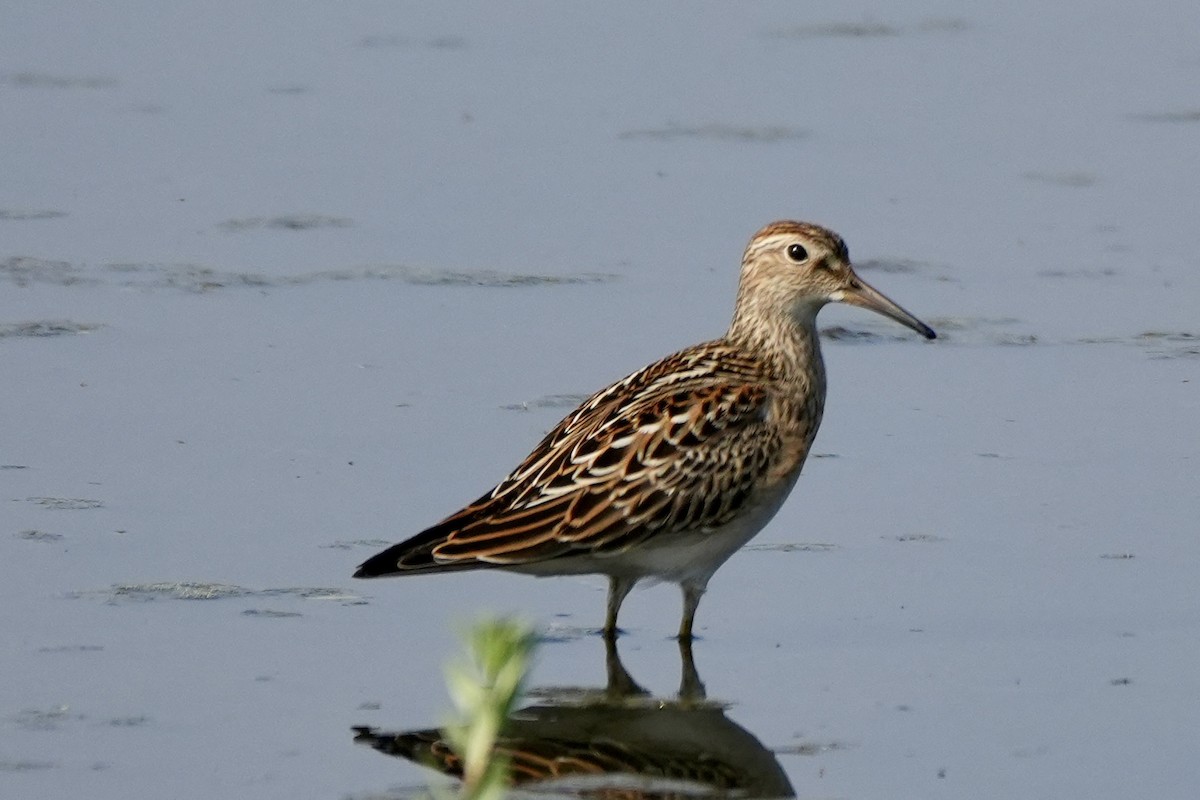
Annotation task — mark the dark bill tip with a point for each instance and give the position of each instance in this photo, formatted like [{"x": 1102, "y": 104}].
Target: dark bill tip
[{"x": 864, "y": 295}]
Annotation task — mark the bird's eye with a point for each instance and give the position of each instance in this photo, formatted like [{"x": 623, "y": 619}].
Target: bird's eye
[{"x": 797, "y": 253}]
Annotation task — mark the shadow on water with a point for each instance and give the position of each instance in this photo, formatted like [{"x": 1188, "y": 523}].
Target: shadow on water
[{"x": 614, "y": 741}]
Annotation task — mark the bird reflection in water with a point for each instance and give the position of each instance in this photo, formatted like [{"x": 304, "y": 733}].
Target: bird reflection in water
[{"x": 615, "y": 742}]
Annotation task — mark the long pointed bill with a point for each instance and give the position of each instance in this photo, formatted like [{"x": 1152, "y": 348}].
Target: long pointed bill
[{"x": 864, "y": 295}]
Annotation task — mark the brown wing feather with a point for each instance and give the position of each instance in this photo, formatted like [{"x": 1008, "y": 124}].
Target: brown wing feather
[
  {"x": 678, "y": 445},
  {"x": 675, "y": 447}
]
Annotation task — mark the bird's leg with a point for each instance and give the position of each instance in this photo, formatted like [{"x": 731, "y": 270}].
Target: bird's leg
[
  {"x": 617, "y": 589},
  {"x": 690, "y": 686},
  {"x": 692, "y": 593}
]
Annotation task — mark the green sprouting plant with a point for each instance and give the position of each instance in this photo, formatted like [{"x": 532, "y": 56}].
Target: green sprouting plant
[{"x": 486, "y": 685}]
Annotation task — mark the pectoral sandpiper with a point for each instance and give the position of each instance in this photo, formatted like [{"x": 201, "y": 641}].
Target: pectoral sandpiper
[{"x": 669, "y": 471}]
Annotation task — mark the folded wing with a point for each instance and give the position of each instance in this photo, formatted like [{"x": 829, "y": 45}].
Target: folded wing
[{"x": 675, "y": 448}]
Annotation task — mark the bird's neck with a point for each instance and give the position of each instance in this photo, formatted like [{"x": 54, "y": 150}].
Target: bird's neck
[{"x": 789, "y": 345}]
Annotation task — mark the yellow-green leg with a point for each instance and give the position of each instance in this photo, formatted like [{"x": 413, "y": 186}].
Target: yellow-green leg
[{"x": 618, "y": 588}]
